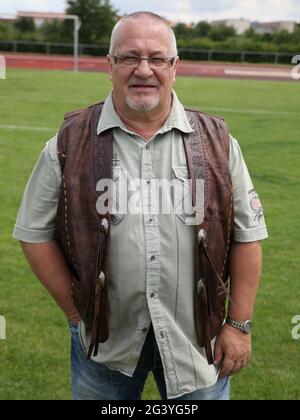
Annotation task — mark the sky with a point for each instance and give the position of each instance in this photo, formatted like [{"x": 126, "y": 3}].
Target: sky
[{"x": 181, "y": 10}]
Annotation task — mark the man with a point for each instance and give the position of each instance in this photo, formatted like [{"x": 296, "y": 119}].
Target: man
[{"x": 146, "y": 290}]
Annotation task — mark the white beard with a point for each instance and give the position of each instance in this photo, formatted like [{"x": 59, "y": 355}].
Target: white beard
[{"x": 143, "y": 104}]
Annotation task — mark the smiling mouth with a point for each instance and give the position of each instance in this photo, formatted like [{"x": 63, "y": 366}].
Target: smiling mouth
[{"x": 143, "y": 87}]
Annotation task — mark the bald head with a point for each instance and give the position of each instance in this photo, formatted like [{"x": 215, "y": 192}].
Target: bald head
[{"x": 140, "y": 18}]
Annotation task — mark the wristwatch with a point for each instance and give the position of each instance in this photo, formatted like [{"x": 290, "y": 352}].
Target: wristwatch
[{"x": 245, "y": 327}]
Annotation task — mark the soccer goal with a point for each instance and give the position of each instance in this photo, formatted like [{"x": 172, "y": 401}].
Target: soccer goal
[{"x": 53, "y": 16}]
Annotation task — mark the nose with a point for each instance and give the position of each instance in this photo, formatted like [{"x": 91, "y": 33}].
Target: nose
[{"x": 143, "y": 69}]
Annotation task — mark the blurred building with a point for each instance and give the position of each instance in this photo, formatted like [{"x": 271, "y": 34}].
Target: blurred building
[
  {"x": 7, "y": 18},
  {"x": 240, "y": 25},
  {"x": 39, "y": 17},
  {"x": 271, "y": 27}
]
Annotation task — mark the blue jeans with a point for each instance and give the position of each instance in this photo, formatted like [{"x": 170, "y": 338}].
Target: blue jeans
[{"x": 93, "y": 381}]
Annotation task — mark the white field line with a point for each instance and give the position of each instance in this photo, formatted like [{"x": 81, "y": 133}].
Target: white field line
[
  {"x": 26, "y": 127},
  {"x": 252, "y": 111},
  {"x": 258, "y": 73},
  {"x": 81, "y": 105},
  {"x": 31, "y": 99},
  {"x": 221, "y": 110}
]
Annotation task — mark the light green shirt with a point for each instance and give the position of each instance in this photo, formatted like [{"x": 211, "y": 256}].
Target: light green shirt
[{"x": 151, "y": 255}]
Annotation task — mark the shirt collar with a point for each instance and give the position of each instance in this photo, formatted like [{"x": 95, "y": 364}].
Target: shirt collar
[{"x": 176, "y": 120}]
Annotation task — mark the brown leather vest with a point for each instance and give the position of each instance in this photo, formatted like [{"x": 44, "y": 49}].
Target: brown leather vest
[{"x": 84, "y": 234}]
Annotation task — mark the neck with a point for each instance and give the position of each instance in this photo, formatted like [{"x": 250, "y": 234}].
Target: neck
[{"x": 145, "y": 124}]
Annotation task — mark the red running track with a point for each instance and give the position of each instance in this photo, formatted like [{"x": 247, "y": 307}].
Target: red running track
[{"x": 186, "y": 68}]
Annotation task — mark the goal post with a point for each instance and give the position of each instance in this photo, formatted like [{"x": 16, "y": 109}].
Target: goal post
[{"x": 54, "y": 16}]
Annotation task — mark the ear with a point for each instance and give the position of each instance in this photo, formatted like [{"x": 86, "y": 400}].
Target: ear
[
  {"x": 109, "y": 62},
  {"x": 175, "y": 68}
]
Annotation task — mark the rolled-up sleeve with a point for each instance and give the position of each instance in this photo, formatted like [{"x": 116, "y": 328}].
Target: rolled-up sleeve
[
  {"x": 36, "y": 219},
  {"x": 249, "y": 220}
]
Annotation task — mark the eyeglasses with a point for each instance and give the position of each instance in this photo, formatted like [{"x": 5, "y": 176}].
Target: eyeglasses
[{"x": 134, "y": 61}]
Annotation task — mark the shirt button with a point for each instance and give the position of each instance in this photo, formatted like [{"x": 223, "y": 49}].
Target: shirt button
[
  {"x": 148, "y": 182},
  {"x": 152, "y": 258},
  {"x": 145, "y": 330},
  {"x": 152, "y": 295}
]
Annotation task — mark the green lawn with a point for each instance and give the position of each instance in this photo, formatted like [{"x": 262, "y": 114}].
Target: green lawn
[{"x": 263, "y": 116}]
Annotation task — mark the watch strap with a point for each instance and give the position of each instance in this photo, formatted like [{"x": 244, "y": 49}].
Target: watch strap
[{"x": 237, "y": 324}]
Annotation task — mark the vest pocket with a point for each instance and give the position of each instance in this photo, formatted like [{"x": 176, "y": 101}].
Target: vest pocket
[{"x": 181, "y": 193}]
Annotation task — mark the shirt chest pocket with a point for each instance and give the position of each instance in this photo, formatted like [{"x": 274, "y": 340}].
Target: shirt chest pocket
[{"x": 181, "y": 193}]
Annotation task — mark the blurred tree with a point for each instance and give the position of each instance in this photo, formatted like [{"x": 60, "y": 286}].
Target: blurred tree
[
  {"x": 183, "y": 31},
  {"x": 54, "y": 31},
  {"x": 267, "y": 37},
  {"x": 222, "y": 32},
  {"x": 25, "y": 24},
  {"x": 202, "y": 29},
  {"x": 98, "y": 18},
  {"x": 296, "y": 35},
  {"x": 250, "y": 33},
  {"x": 283, "y": 37}
]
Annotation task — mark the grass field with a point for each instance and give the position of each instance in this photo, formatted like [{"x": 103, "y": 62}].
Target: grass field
[{"x": 263, "y": 116}]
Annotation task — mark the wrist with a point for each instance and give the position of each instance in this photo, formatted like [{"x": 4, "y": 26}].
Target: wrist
[
  {"x": 73, "y": 315},
  {"x": 244, "y": 326}
]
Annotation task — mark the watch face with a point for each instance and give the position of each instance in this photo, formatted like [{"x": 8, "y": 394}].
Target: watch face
[{"x": 247, "y": 327}]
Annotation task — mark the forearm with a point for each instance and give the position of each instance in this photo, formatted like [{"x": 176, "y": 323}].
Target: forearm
[
  {"x": 245, "y": 272},
  {"x": 48, "y": 264}
]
